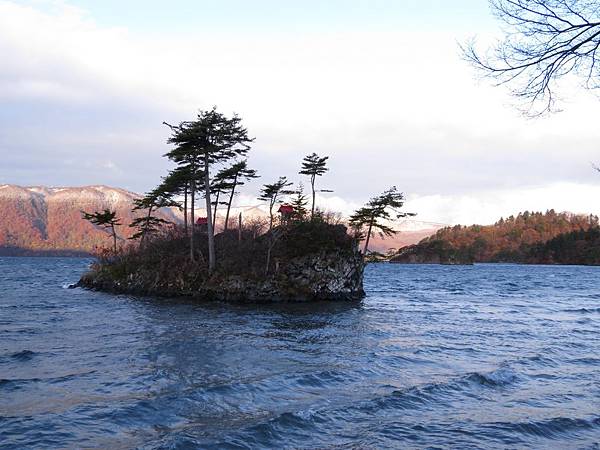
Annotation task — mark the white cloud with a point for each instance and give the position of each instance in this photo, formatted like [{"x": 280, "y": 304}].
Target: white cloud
[
  {"x": 487, "y": 207},
  {"x": 390, "y": 108}
]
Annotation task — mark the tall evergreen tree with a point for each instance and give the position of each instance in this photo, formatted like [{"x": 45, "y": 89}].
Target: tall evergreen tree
[
  {"x": 314, "y": 166},
  {"x": 273, "y": 194},
  {"x": 106, "y": 219},
  {"x": 211, "y": 139},
  {"x": 299, "y": 203},
  {"x": 220, "y": 185},
  {"x": 237, "y": 174},
  {"x": 378, "y": 210},
  {"x": 177, "y": 183},
  {"x": 149, "y": 223}
]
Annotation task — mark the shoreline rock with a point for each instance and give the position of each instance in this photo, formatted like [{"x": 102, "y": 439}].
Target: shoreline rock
[{"x": 327, "y": 276}]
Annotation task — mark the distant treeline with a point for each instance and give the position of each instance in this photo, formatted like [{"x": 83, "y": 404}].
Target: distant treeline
[
  {"x": 530, "y": 237},
  {"x": 576, "y": 247}
]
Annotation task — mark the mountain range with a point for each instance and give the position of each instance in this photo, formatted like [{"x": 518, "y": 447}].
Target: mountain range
[
  {"x": 46, "y": 220},
  {"x": 38, "y": 220}
]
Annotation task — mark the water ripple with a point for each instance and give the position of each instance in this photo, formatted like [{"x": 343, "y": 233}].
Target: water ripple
[{"x": 487, "y": 356}]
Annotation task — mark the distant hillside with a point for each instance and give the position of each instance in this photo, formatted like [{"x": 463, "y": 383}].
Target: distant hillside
[
  {"x": 40, "y": 220},
  {"x": 47, "y": 221},
  {"x": 399, "y": 240},
  {"x": 508, "y": 240},
  {"x": 576, "y": 247}
]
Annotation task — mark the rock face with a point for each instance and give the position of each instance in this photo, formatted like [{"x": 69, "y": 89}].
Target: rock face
[{"x": 323, "y": 276}]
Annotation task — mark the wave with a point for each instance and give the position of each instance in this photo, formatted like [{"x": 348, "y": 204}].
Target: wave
[
  {"x": 23, "y": 355},
  {"x": 582, "y": 310},
  {"x": 437, "y": 393},
  {"x": 498, "y": 378},
  {"x": 17, "y": 383},
  {"x": 550, "y": 428}
]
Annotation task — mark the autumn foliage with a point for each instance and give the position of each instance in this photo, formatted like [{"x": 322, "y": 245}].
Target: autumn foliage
[{"x": 511, "y": 239}]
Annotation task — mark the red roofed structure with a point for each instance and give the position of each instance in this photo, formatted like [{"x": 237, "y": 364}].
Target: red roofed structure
[
  {"x": 286, "y": 209},
  {"x": 202, "y": 224},
  {"x": 287, "y": 212}
]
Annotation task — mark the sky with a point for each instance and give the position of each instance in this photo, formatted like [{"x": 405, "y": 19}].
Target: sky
[{"x": 379, "y": 86}]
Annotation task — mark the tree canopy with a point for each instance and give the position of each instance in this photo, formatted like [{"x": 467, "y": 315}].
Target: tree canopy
[
  {"x": 377, "y": 213},
  {"x": 299, "y": 203},
  {"x": 212, "y": 138},
  {"x": 156, "y": 199},
  {"x": 314, "y": 166},
  {"x": 273, "y": 193},
  {"x": 106, "y": 219},
  {"x": 236, "y": 175}
]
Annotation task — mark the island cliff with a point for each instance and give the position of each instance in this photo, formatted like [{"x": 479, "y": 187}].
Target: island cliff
[{"x": 299, "y": 262}]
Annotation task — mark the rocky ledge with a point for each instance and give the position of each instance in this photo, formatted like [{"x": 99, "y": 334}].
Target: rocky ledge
[{"x": 324, "y": 276}]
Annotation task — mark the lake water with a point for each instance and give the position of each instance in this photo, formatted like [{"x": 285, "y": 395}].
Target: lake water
[{"x": 484, "y": 356}]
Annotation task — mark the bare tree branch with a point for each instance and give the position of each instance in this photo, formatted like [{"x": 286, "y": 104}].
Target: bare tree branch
[{"x": 545, "y": 40}]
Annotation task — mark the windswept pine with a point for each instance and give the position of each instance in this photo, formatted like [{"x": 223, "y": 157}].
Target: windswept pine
[
  {"x": 211, "y": 139},
  {"x": 377, "y": 214},
  {"x": 314, "y": 166},
  {"x": 107, "y": 219}
]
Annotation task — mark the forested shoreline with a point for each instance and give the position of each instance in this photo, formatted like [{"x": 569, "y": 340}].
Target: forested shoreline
[{"x": 528, "y": 238}]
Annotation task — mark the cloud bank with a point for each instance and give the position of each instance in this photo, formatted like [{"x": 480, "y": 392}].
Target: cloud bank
[{"x": 82, "y": 103}]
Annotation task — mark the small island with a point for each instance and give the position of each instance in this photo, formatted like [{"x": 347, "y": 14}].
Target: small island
[
  {"x": 307, "y": 261},
  {"x": 297, "y": 254}
]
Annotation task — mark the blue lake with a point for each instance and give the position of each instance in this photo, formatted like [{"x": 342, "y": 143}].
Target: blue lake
[{"x": 484, "y": 356}]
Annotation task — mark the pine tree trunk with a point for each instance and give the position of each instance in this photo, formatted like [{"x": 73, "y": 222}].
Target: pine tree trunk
[
  {"x": 214, "y": 219},
  {"x": 193, "y": 224},
  {"x": 230, "y": 201},
  {"x": 268, "y": 259},
  {"x": 147, "y": 225},
  {"x": 368, "y": 238},
  {"x": 211, "y": 235},
  {"x": 312, "y": 209},
  {"x": 185, "y": 209},
  {"x": 114, "y": 233}
]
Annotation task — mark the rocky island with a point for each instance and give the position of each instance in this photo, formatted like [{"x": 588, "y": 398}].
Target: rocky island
[
  {"x": 295, "y": 262},
  {"x": 296, "y": 253}
]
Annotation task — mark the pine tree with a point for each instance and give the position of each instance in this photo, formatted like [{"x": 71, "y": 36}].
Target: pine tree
[
  {"x": 272, "y": 193},
  {"x": 148, "y": 224},
  {"x": 177, "y": 183},
  {"x": 210, "y": 139},
  {"x": 237, "y": 174},
  {"x": 220, "y": 185},
  {"x": 106, "y": 219},
  {"x": 299, "y": 203},
  {"x": 314, "y": 166},
  {"x": 375, "y": 212}
]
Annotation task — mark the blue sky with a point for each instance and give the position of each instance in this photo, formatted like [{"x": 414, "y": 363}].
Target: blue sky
[
  {"x": 155, "y": 16},
  {"x": 379, "y": 86}
]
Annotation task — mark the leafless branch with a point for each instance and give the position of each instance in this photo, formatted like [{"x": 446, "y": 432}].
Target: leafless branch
[{"x": 545, "y": 40}]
